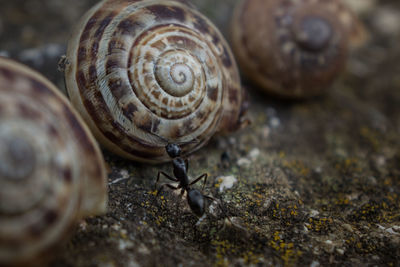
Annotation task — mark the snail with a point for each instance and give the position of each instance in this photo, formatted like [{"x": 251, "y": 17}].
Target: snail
[
  {"x": 51, "y": 169},
  {"x": 140, "y": 70},
  {"x": 294, "y": 48}
]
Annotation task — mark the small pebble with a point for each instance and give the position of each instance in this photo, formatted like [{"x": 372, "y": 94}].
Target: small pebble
[
  {"x": 348, "y": 227},
  {"x": 254, "y": 153},
  {"x": 143, "y": 250},
  {"x": 266, "y": 130},
  {"x": 390, "y": 231},
  {"x": 116, "y": 227},
  {"x": 318, "y": 169},
  {"x": 314, "y": 213},
  {"x": 380, "y": 161},
  {"x": 124, "y": 173},
  {"x": 275, "y": 122},
  {"x": 267, "y": 203},
  {"x": 226, "y": 182},
  {"x": 375, "y": 257},
  {"x": 380, "y": 227},
  {"x": 232, "y": 141},
  {"x": 243, "y": 162},
  {"x": 83, "y": 225},
  {"x": 340, "y": 251},
  {"x": 213, "y": 207},
  {"x": 125, "y": 244}
]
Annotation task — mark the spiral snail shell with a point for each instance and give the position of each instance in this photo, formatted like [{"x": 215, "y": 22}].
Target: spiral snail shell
[
  {"x": 51, "y": 169},
  {"x": 141, "y": 70},
  {"x": 293, "y": 48}
]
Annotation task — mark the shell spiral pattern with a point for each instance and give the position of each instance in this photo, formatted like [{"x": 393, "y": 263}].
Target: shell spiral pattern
[
  {"x": 141, "y": 70},
  {"x": 51, "y": 169},
  {"x": 293, "y": 48}
]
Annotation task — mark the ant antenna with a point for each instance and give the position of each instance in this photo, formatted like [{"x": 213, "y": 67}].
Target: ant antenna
[
  {"x": 163, "y": 139},
  {"x": 168, "y": 142}
]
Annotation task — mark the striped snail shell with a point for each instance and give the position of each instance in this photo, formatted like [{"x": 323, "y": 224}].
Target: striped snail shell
[
  {"x": 51, "y": 169},
  {"x": 293, "y": 48},
  {"x": 141, "y": 70}
]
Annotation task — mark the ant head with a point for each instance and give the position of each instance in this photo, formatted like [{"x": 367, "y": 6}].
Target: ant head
[
  {"x": 196, "y": 201},
  {"x": 173, "y": 150}
]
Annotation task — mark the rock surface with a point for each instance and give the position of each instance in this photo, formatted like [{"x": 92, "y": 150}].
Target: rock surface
[{"x": 312, "y": 182}]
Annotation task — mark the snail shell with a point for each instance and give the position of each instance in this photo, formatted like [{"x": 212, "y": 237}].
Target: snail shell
[
  {"x": 141, "y": 70},
  {"x": 51, "y": 169},
  {"x": 293, "y": 48}
]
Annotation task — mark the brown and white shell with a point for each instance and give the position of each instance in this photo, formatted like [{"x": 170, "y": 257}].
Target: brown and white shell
[
  {"x": 294, "y": 48},
  {"x": 143, "y": 72},
  {"x": 51, "y": 169}
]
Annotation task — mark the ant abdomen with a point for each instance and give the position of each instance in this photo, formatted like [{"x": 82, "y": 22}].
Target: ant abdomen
[{"x": 196, "y": 201}]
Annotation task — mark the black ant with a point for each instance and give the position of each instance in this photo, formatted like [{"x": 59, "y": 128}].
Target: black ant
[{"x": 194, "y": 197}]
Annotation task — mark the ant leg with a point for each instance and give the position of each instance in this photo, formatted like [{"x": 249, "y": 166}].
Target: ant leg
[
  {"x": 204, "y": 175},
  {"x": 170, "y": 186},
  {"x": 187, "y": 164},
  {"x": 166, "y": 175}
]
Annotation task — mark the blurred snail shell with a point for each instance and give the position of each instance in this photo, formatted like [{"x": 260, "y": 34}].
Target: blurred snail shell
[
  {"x": 141, "y": 70},
  {"x": 293, "y": 48},
  {"x": 51, "y": 169}
]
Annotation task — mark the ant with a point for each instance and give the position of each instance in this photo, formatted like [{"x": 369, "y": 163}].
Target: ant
[{"x": 194, "y": 197}]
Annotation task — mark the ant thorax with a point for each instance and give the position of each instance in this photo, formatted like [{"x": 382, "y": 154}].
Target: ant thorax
[{"x": 180, "y": 170}]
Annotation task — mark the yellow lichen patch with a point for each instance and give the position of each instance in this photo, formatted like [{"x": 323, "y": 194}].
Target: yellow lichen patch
[
  {"x": 159, "y": 220},
  {"x": 348, "y": 165},
  {"x": 319, "y": 224},
  {"x": 224, "y": 248},
  {"x": 218, "y": 184},
  {"x": 154, "y": 193},
  {"x": 287, "y": 213},
  {"x": 385, "y": 210},
  {"x": 258, "y": 198},
  {"x": 297, "y": 167},
  {"x": 250, "y": 258},
  {"x": 288, "y": 253},
  {"x": 342, "y": 201},
  {"x": 371, "y": 137}
]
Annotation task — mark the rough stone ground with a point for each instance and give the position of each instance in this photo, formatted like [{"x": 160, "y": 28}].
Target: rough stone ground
[{"x": 318, "y": 181}]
